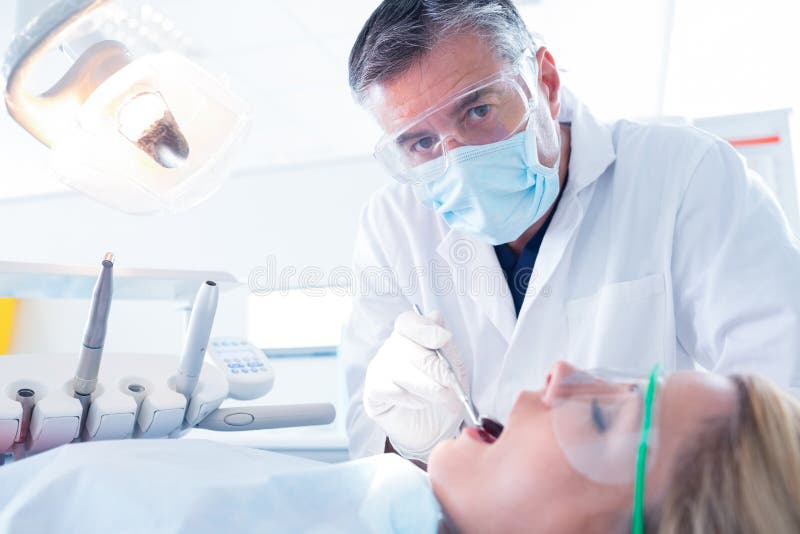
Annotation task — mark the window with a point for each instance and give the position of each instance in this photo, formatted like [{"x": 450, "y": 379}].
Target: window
[{"x": 297, "y": 318}]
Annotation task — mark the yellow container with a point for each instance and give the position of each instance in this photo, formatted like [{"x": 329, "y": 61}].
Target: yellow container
[{"x": 8, "y": 309}]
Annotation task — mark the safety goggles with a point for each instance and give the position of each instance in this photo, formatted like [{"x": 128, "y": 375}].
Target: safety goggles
[
  {"x": 486, "y": 112},
  {"x": 607, "y": 427}
]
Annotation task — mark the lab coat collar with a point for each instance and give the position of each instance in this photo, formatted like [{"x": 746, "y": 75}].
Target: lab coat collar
[
  {"x": 476, "y": 272},
  {"x": 591, "y": 153},
  {"x": 591, "y": 142}
]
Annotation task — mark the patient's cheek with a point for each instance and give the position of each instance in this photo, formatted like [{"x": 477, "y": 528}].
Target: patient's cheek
[{"x": 441, "y": 460}]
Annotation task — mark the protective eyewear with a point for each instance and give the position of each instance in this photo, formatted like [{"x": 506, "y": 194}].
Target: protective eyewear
[
  {"x": 598, "y": 419},
  {"x": 486, "y": 112}
]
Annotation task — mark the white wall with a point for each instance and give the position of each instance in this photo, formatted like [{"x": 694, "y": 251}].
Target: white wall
[
  {"x": 302, "y": 215},
  {"x": 733, "y": 56},
  {"x": 612, "y": 53}
]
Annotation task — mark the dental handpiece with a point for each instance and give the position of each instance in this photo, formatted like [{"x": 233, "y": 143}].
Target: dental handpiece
[
  {"x": 197, "y": 335},
  {"x": 94, "y": 335}
]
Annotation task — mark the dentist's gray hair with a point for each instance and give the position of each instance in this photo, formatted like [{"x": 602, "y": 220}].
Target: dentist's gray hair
[{"x": 401, "y": 31}]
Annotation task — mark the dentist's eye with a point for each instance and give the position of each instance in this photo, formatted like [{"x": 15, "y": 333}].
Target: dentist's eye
[
  {"x": 479, "y": 112},
  {"x": 424, "y": 144},
  {"x": 598, "y": 417}
]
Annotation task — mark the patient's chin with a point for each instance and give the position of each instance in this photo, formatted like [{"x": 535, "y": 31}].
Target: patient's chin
[{"x": 451, "y": 477}]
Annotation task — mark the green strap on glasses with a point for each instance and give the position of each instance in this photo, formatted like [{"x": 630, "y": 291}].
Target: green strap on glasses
[{"x": 637, "y": 526}]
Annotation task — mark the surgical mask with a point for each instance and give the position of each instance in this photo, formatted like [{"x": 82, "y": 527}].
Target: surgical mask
[{"x": 493, "y": 192}]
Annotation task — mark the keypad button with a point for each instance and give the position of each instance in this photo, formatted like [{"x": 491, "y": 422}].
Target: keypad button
[
  {"x": 245, "y": 370},
  {"x": 234, "y": 371}
]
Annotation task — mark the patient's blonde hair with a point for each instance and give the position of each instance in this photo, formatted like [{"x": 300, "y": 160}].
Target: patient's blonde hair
[{"x": 743, "y": 474}]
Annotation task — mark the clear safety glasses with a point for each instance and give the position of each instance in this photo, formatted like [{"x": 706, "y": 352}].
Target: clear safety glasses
[
  {"x": 489, "y": 111},
  {"x": 607, "y": 426},
  {"x": 598, "y": 419}
]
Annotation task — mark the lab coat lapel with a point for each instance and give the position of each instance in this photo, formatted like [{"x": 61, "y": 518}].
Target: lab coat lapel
[
  {"x": 592, "y": 152},
  {"x": 477, "y": 273}
]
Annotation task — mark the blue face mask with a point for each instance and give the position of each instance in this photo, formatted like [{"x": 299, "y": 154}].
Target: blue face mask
[{"x": 494, "y": 192}]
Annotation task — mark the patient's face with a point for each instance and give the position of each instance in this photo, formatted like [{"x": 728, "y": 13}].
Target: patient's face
[{"x": 524, "y": 482}]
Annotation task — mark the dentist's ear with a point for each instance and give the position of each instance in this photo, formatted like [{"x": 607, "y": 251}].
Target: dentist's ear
[{"x": 549, "y": 80}]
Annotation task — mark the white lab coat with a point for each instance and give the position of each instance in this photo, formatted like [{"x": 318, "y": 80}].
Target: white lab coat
[{"x": 664, "y": 248}]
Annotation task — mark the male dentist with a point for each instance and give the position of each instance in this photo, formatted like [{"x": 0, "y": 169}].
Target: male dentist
[{"x": 531, "y": 232}]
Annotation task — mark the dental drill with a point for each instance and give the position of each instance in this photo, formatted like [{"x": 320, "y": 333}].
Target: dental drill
[
  {"x": 94, "y": 336},
  {"x": 197, "y": 335}
]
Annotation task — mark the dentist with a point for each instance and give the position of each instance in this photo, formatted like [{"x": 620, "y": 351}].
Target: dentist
[{"x": 533, "y": 233}]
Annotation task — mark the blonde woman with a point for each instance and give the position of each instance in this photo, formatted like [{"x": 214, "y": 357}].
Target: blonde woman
[{"x": 723, "y": 456}]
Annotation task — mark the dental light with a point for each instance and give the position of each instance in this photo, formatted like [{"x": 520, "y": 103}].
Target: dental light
[{"x": 131, "y": 125}]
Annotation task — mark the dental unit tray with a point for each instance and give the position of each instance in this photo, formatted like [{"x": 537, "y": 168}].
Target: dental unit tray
[
  {"x": 132, "y": 395},
  {"x": 135, "y": 398}
]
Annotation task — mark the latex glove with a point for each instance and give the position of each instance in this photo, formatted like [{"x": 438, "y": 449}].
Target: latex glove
[{"x": 408, "y": 389}]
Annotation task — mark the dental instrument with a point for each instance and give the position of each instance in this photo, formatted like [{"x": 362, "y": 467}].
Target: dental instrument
[
  {"x": 25, "y": 396},
  {"x": 94, "y": 335},
  {"x": 197, "y": 335},
  {"x": 485, "y": 424}
]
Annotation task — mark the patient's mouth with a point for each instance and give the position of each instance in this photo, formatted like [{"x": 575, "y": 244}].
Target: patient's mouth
[{"x": 479, "y": 434}]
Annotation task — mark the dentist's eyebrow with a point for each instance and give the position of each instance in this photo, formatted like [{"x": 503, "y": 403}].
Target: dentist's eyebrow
[
  {"x": 467, "y": 101},
  {"x": 460, "y": 105},
  {"x": 414, "y": 134}
]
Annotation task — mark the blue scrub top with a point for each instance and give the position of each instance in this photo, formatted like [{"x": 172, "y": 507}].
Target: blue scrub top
[{"x": 518, "y": 271}]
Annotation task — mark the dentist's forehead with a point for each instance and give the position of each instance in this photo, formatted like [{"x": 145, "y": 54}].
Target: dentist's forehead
[{"x": 450, "y": 66}]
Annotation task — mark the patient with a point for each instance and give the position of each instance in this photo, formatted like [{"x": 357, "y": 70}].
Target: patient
[
  {"x": 723, "y": 455},
  {"x": 727, "y": 460}
]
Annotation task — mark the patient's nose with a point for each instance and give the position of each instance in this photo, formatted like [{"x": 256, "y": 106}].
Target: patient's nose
[{"x": 558, "y": 372}]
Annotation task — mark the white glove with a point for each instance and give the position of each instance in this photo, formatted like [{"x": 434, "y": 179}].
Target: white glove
[{"x": 408, "y": 389}]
